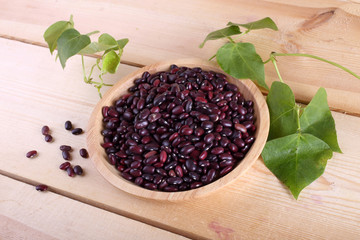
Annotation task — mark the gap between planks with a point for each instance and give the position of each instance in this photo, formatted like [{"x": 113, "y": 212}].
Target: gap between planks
[
  {"x": 105, "y": 207},
  {"x": 133, "y": 64},
  {"x": 39, "y": 44}
]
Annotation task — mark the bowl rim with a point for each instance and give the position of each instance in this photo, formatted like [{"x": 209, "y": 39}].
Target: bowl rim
[{"x": 107, "y": 170}]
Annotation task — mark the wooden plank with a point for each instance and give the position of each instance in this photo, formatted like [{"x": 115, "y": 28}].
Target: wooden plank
[
  {"x": 28, "y": 214},
  {"x": 160, "y": 30},
  {"x": 255, "y": 206}
]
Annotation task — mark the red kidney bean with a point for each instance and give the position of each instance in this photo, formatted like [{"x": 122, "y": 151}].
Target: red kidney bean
[
  {"x": 151, "y": 160},
  {"x": 196, "y": 185},
  {"x": 226, "y": 170},
  {"x": 70, "y": 171},
  {"x": 207, "y": 125},
  {"x": 217, "y": 150},
  {"x": 136, "y": 149},
  {"x": 135, "y": 172},
  {"x": 209, "y": 138},
  {"x": 65, "y": 148},
  {"x": 31, "y": 154},
  {"x": 190, "y": 165},
  {"x": 249, "y": 140},
  {"x": 64, "y": 165},
  {"x": 78, "y": 170},
  {"x": 203, "y": 155},
  {"x": 179, "y": 171},
  {"x": 66, "y": 155},
  {"x": 148, "y": 169},
  {"x": 163, "y": 156},
  {"x": 41, "y": 187},
  {"x": 83, "y": 153},
  {"x": 77, "y": 131},
  {"x": 139, "y": 181},
  {"x": 187, "y": 149},
  {"x": 68, "y": 124},
  {"x": 48, "y": 138},
  {"x": 45, "y": 130}
]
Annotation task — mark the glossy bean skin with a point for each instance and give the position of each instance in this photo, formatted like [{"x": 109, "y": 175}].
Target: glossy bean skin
[{"x": 178, "y": 130}]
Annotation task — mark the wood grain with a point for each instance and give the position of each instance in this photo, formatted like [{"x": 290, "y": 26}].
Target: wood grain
[
  {"x": 256, "y": 206},
  {"x": 248, "y": 90},
  {"x": 161, "y": 30},
  {"x": 28, "y": 214}
]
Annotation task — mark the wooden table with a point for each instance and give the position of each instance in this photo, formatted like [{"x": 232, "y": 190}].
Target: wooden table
[{"x": 35, "y": 91}]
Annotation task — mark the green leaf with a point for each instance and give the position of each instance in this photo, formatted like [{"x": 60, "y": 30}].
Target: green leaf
[
  {"x": 107, "y": 39},
  {"x": 222, "y": 33},
  {"x": 284, "y": 118},
  {"x": 240, "y": 60},
  {"x": 70, "y": 43},
  {"x": 317, "y": 120},
  {"x": 122, "y": 42},
  {"x": 296, "y": 160},
  {"x": 111, "y": 62},
  {"x": 53, "y": 32},
  {"x": 260, "y": 24}
]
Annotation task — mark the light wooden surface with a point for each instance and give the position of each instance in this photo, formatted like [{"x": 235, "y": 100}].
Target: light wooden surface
[
  {"x": 247, "y": 88},
  {"x": 161, "y": 30},
  {"x": 28, "y": 214},
  {"x": 35, "y": 91},
  {"x": 255, "y": 206}
]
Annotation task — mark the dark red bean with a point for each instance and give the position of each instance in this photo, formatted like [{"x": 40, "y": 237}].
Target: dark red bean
[
  {"x": 240, "y": 127},
  {"x": 78, "y": 170},
  {"x": 207, "y": 125},
  {"x": 217, "y": 150},
  {"x": 150, "y": 186},
  {"x": 203, "y": 155},
  {"x": 187, "y": 149},
  {"x": 249, "y": 140},
  {"x": 70, "y": 171},
  {"x": 139, "y": 181},
  {"x": 149, "y": 154},
  {"x": 45, "y": 130},
  {"x": 64, "y": 165},
  {"x": 68, "y": 124},
  {"x": 163, "y": 156},
  {"x": 136, "y": 149},
  {"x": 174, "y": 180},
  {"x": 239, "y": 142},
  {"x": 151, "y": 160},
  {"x": 83, "y": 153},
  {"x": 135, "y": 164},
  {"x": 135, "y": 172},
  {"x": 186, "y": 131},
  {"x": 41, "y": 187},
  {"x": 66, "y": 155},
  {"x": 178, "y": 110},
  {"x": 141, "y": 124},
  {"x": 199, "y": 132},
  {"x": 190, "y": 165},
  {"x": 148, "y": 169},
  {"x": 209, "y": 138},
  {"x": 154, "y": 117},
  {"x": 48, "y": 138},
  {"x": 31, "y": 154},
  {"x": 170, "y": 189},
  {"x": 77, "y": 131},
  {"x": 127, "y": 176},
  {"x": 196, "y": 185},
  {"x": 179, "y": 171},
  {"x": 226, "y": 170}
]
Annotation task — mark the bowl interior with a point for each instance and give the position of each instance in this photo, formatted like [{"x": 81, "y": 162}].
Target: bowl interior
[{"x": 108, "y": 171}]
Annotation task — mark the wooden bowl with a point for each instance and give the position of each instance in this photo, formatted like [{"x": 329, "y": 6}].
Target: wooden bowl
[{"x": 108, "y": 171}]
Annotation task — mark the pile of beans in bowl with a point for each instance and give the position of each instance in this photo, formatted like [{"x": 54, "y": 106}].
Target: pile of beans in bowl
[{"x": 178, "y": 130}]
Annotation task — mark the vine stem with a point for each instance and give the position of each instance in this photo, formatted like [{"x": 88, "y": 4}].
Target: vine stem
[
  {"x": 318, "y": 58},
  {"x": 273, "y": 60}
]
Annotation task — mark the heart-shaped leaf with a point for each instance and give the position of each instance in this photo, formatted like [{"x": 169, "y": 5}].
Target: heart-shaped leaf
[
  {"x": 284, "y": 118},
  {"x": 296, "y": 160},
  {"x": 70, "y": 43},
  {"x": 122, "y": 42},
  {"x": 53, "y": 32},
  {"x": 240, "y": 60},
  {"x": 110, "y": 62},
  {"x": 222, "y": 33},
  {"x": 260, "y": 24},
  {"x": 317, "y": 120}
]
